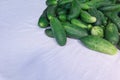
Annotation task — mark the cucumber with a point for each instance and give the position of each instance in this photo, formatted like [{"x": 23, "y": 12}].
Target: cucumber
[
  {"x": 51, "y": 11},
  {"x": 74, "y": 31},
  {"x": 86, "y": 17},
  {"x": 74, "y": 11},
  {"x": 49, "y": 33},
  {"x": 115, "y": 7},
  {"x": 51, "y": 2},
  {"x": 111, "y": 33},
  {"x": 58, "y": 31},
  {"x": 113, "y": 16},
  {"x": 97, "y": 31},
  {"x": 94, "y": 12},
  {"x": 43, "y": 20},
  {"x": 99, "y": 44},
  {"x": 61, "y": 11},
  {"x": 79, "y": 23}
]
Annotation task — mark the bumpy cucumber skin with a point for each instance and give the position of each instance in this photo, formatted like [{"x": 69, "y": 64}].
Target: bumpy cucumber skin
[
  {"x": 99, "y": 44},
  {"x": 43, "y": 20},
  {"x": 58, "y": 31},
  {"x": 111, "y": 33},
  {"x": 86, "y": 17},
  {"x": 74, "y": 31},
  {"x": 49, "y": 33}
]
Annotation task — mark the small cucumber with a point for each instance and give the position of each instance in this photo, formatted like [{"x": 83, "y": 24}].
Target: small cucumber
[
  {"x": 74, "y": 11},
  {"x": 79, "y": 23},
  {"x": 62, "y": 17},
  {"x": 49, "y": 33},
  {"x": 51, "y": 2},
  {"x": 111, "y": 33},
  {"x": 51, "y": 11},
  {"x": 86, "y": 17},
  {"x": 74, "y": 31},
  {"x": 43, "y": 20},
  {"x": 58, "y": 31},
  {"x": 97, "y": 31},
  {"x": 99, "y": 44}
]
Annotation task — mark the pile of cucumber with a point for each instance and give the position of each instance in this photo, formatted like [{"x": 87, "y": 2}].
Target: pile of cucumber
[{"x": 96, "y": 23}]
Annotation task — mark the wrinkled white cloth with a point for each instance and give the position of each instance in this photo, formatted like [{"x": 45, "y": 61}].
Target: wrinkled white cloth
[{"x": 26, "y": 53}]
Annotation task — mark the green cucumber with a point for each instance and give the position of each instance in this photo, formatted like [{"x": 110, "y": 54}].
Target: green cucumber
[
  {"x": 79, "y": 23},
  {"x": 61, "y": 2},
  {"x": 86, "y": 17},
  {"x": 99, "y": 44},
  {"x": 43, "y": 20},
  {"x": 62, "y": 17},
  {"x": 51, "y": 11},
  {"x": 51, "y": 2},
  {"x": 94, "y": 12},
  {"x": 58, "y": 31},
  {"x": 74, "y": 31},
  {"x": 113, "y": 16},
  {"x": 111, "y": 33},
  {"x": 49, "y": 33},
  {"x": 74, "y": 11},
  {"x": 97, "y": 31}
]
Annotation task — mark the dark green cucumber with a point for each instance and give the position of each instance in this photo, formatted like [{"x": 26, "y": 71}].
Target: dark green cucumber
[
  {"x": 74, "y": 11},
  {"x": 103, "y": 18},
  {"x": 51, "y": 2},
  {"x": 74, "y": 31},
  {"x": 115, "y": 7},
  {"x": 58, "y": 31},
  {"x": 94, "y": 12},
  {"x": 51, "y": 11},
  {"x": 98, "y": 3},
  {"x": 79, "y": 23},
  {"x": 49, "y": 33},
  {"x": 97, "y": 31},
  {"x": 111, "y": 33},
  {"x": 86, "y": 17},
  {"x": 99, "y": 44},
  {"x": 43, "y": 20},
  {"x": 113, "y": 16}
]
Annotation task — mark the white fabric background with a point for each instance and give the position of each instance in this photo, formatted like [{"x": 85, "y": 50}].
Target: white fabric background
[{"x": 26, "y": 53}]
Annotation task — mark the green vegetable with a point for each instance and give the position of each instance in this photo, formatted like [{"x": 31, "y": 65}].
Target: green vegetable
[
  {"x": 86, "y": 17},
  {"x": 74, "y": 31},
  {"x": 94, "y": 12},
  {"x": 51, "y": 2},
  {"x": 99, "y": 44},
  {"x": 97, "y": 31},
  {"x": 61, "y": 2},
  {"x": 79, "y": 23},
  {"x": 111, "y": 33},
  {"x": 49, "y": 33},
  {"x": 74, "y": 11},
  {"x": 63, "y": 17},
  {"x": 58, "y": 31},
  {"x": 43, "y": 21},
  {"x": 51, "y": 11}
]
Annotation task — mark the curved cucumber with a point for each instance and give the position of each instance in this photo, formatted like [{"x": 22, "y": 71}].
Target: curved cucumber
[
  {"x": 74, "y": 31},
  {"x": 111, "y": 33},
  {"x": 86, "y": 17},
  {"x": 43, "y": 20},
  {"x": 99, "y": 44},
  {"x": 58, "y": 31}
]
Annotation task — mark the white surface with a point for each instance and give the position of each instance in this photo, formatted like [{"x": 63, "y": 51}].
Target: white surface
[{"x": 26, "y": 53}]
